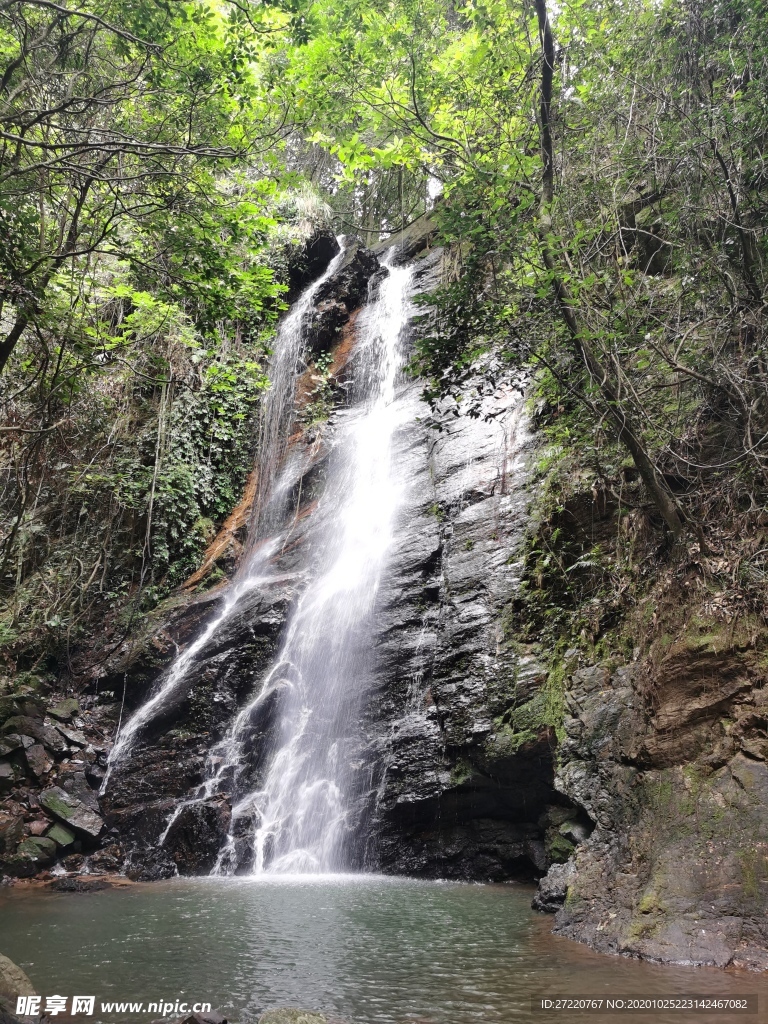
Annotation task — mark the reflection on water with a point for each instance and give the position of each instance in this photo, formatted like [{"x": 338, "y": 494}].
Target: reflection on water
[{"x": 372, "y": 950}]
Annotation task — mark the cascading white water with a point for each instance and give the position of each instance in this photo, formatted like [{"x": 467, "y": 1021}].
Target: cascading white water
[
  {"x": 299, "y": 816},
  {"x": 276, "y": 418}
]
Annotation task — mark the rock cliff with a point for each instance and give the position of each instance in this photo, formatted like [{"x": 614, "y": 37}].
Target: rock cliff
[{"x": 635, "y": 788}]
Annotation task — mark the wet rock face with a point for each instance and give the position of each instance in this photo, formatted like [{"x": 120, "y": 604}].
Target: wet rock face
[
  {"x": 461, "y": 794},
  {"x": 675, "y": 868},
  {"x": 447, "y": 785},
  {"x": 312, "y": 260},
  {"x": 340, "y": 296},
  {"x": 167, "y": 764},
  {"x": 195, "y": 836}
]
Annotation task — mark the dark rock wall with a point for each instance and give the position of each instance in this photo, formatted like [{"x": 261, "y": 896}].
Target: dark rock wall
[
  {"x": 457, "y": 798},
  {"x": 446, "y": 788}
]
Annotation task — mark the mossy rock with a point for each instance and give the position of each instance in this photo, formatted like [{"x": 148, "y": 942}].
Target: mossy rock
[
  {"x": 559, "y": 849},
  {"x": 8, "y": 708},
  {"x": 38, "y": 847},
  {"x": 65, "y": 709},
  {"x": 31, "y": 854},
  {"x": 61, "y": 835},
  {"x": 13, "y": 706}
]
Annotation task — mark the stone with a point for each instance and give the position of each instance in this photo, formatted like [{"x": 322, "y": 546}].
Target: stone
[
  {"x": 9, "y": 743},
  {"x": 77, "y": 786},
  {"x": 82, "y": 883},
  {"x": 11, "y": 706},
  {"x": 316, "y": 254},
  {"x": 72, "y": 735},
  {"x": 553, "y": 888},
  {"x": 288, "y": 1015},
  {"x": 44, "y": 734},
  {"x": 40, "y": 763},
  {"x": 6, "y": 1016},
  {"x": 340, "y": 296},
  {"x": 204, "y": 1018},
  {"x": 13, "y": 981},
  {"x": 65, "y": 709},
  {"x": 61, "y": 835},
  {"x": 31, "y": 854},
  {"x": 71, "y": 811},
  {"x": 11, "y": 833},
  {"x": 197, "y": 835},
  {"x": 108, "y": 859},
  {"x": 10, "y": 775}
]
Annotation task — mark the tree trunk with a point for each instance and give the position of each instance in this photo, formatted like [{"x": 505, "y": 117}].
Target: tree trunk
[{"x": 627, "y": 433}]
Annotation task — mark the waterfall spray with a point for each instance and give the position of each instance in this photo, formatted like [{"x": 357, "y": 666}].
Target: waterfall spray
[
  {"x": 299, "y": 816},
  {"x": 276, "y": 418}
]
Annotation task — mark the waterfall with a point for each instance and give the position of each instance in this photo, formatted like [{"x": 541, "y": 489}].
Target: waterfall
[
  {"x": 298, "y": 818},
  {"x": 276, "y": 419}
]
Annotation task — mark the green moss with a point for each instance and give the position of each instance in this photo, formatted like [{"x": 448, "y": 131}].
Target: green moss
[
  {"x": 559, "y": 848},
  {"x": 572, "y": 898},
  {"x": 754, "y": 869},
  {"x": 651, "y": 903},
  {"x": 57, "y": 805},
  {"x": 36, "y": 848},
  {"x": 506, "y": 741},
  {"x": 61, "y": 835},
  {"x": 461, "y": 772}
]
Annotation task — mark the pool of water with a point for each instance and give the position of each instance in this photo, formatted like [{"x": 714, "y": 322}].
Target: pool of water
[{"x": 368, "y": 949}]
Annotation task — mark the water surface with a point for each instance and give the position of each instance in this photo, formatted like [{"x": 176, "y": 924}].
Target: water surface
[{"x": 372, "y": 950}]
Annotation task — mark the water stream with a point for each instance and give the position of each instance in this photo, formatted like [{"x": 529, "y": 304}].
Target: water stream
[
  {"x": 364, "y": 949},
  {"x": 277, "y": 414},
  {"x": 298, "y": 817},
  {"x": 297, "y": 820}
]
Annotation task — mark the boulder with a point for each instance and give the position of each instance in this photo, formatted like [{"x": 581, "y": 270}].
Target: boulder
[
  {"x": 39, "y": 761},
  {"x": 411, "y": 240},
  {"x": 203, "y": 1018},
  {"x": 45, "y": 734},
  {"x": 72, "y": 735},
  {"x": 9, "y": 743},
  {"x": 553, "y": 888},
  {"x": 65, "y": 709},
  {"x": 82, "y": 884},
  {"x": 11, "y": 832},
  {"x": 78, "y": 788},
  {"x": 317, "y": 253},
  {"x": 13, "y": 983},
  {"x": 61, "y": 835},
  {"x": 10, "y": 775},
  {"x": 108, "y": 859},
  {"x": 11, "y": 706},
  {"x": 72, "y": 811},
  {"x": 32, "y": 854}
]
